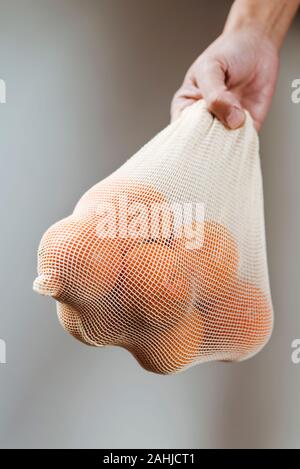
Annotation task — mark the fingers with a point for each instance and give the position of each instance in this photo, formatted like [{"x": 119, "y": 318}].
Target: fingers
[
  {"x": 225, "y": 107},
  {"x": 221, "y": 102},
  {"x": 208, "y": 80},
  {"x": 185, "y": 96}
]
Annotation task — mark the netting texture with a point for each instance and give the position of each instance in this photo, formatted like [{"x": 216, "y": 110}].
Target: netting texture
[{"x": 166, "y": 257}]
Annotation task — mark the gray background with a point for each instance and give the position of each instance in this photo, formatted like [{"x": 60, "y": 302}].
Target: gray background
[{"x": 87, "y": 84}]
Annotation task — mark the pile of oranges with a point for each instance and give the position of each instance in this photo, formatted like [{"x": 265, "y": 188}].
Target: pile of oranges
[{"x": 168, "y": 305}]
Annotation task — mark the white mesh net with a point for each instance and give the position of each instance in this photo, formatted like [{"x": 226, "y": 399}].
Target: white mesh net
[{"x": 166, "y": 257}]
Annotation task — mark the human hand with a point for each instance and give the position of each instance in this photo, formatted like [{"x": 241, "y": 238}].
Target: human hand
[{"x": 237, "y": 71}]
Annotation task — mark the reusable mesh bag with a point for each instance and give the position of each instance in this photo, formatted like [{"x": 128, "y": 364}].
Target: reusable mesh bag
[{"x": 166, "y": 257}]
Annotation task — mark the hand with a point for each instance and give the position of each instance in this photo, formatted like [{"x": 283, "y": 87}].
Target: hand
[{"x": 237, "y": 71}]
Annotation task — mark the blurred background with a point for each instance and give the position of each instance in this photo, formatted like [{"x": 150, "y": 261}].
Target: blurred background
[{"x": 87, "y": 84}]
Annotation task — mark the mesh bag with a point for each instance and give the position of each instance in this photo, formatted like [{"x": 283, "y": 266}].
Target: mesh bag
[{"x": 166, "y": 257}]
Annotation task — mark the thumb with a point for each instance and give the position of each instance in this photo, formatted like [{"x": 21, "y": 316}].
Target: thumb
[{"x": 220, "y": 101}]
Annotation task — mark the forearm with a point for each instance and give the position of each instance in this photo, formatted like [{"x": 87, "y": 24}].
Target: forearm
[{"x": 272, "y": 17}]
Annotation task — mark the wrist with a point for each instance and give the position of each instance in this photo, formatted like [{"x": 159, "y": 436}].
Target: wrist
[{"x": 270, "y": 18}]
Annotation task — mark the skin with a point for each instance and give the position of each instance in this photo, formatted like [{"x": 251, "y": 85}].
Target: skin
[{"x": 239, "y": 69}]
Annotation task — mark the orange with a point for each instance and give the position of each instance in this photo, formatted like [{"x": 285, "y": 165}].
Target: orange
[
  {"x": 155, "y": 285},
  {"x": 256, "y": 316},
  {"x": 240, "y": 322},
  {"x": 213, "y": 261},
  {"x": 75, "y": 264},
  {"x": 96, "y": 325},
  {"x": 172, "y": 350},
  {"x": 139, "y": 211},
  {"x": 70, "y": 320}
]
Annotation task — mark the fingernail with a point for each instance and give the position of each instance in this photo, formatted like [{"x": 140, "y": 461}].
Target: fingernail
[{"x": 235, "y": 118}]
